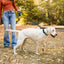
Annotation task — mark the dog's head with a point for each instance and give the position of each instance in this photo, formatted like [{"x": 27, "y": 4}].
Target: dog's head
[{"x": 52, "y": 31}]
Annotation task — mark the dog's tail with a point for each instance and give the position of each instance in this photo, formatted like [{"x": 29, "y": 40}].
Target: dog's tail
[{"x": 9, "y": 30}]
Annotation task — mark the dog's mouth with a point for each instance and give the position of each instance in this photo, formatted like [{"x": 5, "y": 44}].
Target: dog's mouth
[{"x": 54, "y": 35}]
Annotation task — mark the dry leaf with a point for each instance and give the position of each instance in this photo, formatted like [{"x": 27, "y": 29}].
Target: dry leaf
[
  {"x": 59, "y": 60},
  {"x": 49, "y": 59},
  {"x": 25, "y": 57}
]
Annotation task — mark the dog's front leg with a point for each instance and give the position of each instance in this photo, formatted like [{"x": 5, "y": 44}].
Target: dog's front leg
[
  {"x": 15, "y": 50},
  {"x": 15, "y": 47},
  {"x": 37, "y": 46}
]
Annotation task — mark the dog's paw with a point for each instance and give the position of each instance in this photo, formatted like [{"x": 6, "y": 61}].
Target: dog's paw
[
  {"x": 37, "y": 53},
  {"x": 15, "y": 53},
  {"x": 24, "y": 51},
  {"x": 43, "y": 49}
]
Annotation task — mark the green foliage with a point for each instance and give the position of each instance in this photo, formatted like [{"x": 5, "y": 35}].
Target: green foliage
[{"x": 48, "y": 12}]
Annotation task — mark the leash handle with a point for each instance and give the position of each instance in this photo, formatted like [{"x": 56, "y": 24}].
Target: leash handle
[{"x": 18, "y": 13}]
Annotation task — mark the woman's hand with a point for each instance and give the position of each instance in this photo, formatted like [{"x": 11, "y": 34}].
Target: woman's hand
[{"x": 18, "y": 10}]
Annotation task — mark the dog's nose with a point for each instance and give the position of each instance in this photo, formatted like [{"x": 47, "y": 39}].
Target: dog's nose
[{"x": 56, "y": 34}]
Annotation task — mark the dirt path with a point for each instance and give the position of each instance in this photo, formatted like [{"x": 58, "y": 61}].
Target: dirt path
[{"x": 50, "y": 56}]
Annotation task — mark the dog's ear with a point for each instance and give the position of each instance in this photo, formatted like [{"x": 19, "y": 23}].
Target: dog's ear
[
  {"x": 48, "y": 29},
  {"x": 38, "y": 27}
]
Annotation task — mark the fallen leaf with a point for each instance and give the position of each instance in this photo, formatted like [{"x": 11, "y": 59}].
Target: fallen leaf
[
  {"x": 59, "y": 60},
  {"x": 25, "y": 57},
  {"x": 1, "y": 60},
  {"x": 49, "y": 59}
]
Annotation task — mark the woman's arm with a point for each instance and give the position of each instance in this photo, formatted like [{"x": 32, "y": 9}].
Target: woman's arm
[
  {"x": 0, "y": 9},
  {"x": 15, "y": 7}
]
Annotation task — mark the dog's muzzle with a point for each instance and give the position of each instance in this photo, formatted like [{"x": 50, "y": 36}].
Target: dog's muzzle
[{"x": 53, "y": 35}]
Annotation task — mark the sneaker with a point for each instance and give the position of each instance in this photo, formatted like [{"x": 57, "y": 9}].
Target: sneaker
[{"x": 6, "y": 47}]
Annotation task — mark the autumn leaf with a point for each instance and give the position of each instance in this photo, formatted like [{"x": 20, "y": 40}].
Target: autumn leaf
[
  {"x": 49, "y": 59},
  {"x": 59, "y": 60}
]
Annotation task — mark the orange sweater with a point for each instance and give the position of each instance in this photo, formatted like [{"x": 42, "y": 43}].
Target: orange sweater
[{"x": 6, "y": 5}]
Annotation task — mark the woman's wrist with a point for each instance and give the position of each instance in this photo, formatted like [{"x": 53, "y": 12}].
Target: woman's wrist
[{"x": 18, "y": 10}]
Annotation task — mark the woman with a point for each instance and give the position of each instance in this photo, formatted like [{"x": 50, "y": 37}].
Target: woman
[{"x": 8, "y": 7}]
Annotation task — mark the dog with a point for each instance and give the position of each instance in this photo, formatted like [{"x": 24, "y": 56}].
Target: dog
[{"x": 37, "y": 35}]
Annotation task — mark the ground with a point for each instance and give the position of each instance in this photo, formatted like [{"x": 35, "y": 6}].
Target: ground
[{"x": 54, "y": 51}]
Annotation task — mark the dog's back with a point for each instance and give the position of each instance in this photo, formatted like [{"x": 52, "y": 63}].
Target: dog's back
[{"x": 32, "y": 33}]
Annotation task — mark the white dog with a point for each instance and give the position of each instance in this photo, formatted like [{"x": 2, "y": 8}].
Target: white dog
[{"x": 37, "y": 35}]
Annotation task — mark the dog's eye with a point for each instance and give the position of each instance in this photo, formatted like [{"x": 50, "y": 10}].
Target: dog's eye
[{"x": 52, "y": 30}]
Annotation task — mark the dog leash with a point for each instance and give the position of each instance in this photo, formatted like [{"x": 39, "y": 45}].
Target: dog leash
[{"x": 19, "y": 14}]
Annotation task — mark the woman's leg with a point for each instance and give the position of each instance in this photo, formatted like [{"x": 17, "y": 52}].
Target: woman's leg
[
  {"x": 13, "y": 25},
  {"x": 5, "y": 19}
]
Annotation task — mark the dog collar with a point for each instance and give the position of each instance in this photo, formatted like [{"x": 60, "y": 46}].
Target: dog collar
[{"x": 45, "y": 33}]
